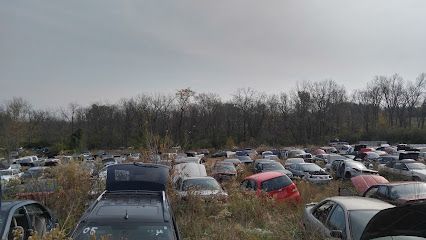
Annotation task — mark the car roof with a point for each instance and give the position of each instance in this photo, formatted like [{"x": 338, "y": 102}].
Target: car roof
[
  {"x": 7, "y": 205},
  {"x": 132, "y": 206},
  {"x": 407, "y": 161},
  {"x": 399, "y": 183},
  {"x": 265, "y": 175},
  {"x": 360, "y": 203},
  {"x": 305, "y": 163},
  {"x": 206, "y": 177}
]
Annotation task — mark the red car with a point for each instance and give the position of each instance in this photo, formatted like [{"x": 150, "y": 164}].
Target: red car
[
  {"x": 396, "y": 193},
  {"x": 276, "y": 184}
]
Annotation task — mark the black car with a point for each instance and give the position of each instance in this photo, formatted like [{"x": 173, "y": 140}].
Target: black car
[
  {"x": 219, "y": 154},
  {"x": 406, "y": 222},
  {"x": 27, "y": 216},
  {"x": 134, "y": 206}
]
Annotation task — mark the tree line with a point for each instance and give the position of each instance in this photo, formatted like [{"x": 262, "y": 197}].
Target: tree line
[{"x": 387, "y": 108}]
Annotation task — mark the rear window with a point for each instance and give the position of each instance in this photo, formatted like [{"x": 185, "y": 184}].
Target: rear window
[
  {"x": 276, "y": 183},
  {"x": 125, "y": 231}
]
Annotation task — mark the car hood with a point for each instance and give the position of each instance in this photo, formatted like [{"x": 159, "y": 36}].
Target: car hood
[
  {"x": 368, "y": 171},
  {"x": 363, "y": 182},
  {"x": 406, "y": 220},
  {"x": 204, "y": 193}
]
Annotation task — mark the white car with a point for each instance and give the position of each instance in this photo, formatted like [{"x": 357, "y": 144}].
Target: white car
[
  {"x": 185, "y": 170},
  {"x": 205, "y": 187},
  {"x": 10, "y": 174},
  {"x": 134, "y": 156}
]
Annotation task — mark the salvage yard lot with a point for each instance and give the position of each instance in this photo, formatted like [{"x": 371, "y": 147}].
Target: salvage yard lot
[
  {"x": 243, "y": 216},
  {"x": 246, "y": 216}
]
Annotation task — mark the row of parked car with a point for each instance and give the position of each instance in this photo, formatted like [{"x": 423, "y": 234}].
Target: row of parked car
[{"x": 135, "y": 205}]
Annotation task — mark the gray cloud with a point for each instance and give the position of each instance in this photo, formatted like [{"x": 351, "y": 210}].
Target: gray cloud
[{"x": 84, "y": 51}]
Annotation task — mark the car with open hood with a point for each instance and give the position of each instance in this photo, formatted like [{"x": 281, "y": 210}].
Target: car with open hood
[{"x": 133, "y": 206}]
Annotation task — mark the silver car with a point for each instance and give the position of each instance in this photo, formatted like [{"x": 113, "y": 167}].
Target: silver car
[
  {"x": 310, "y": 172},
  {"x": 341, "y": 217},
  {"x": 349, "y": 168}
]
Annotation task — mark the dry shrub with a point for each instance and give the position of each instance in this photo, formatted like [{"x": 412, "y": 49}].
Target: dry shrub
[{"x": 71, "y": 196}]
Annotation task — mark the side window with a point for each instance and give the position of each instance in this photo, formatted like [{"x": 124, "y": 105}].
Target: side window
[
  {"x": 382, "y": 191},
  {"x": 337, "y": 220},
  {"x": 398, "y": 166},
  {"x": 372, "y": 192},
  {"x": 248, "y": 184},
  {"x": 19, "y": 221},
  {"x": 179, "y": 183},
  {"x": 244, "y": 184},
  {"x": 253, "y": 184},
  {"x": 39, "y": 217},
  {"x": 322, "y": 212}
]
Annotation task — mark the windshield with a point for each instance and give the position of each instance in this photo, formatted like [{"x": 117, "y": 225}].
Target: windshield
[
  {"x": 295, "y": 160},
  {"x": 200, "y": 184},
  {"x": 358, "y": 220},
  {"x": 127, "y": 231},
  {"x": 409, "y": 191},
  {"x": 225, "y": 168},
  {"x": 6, "y": 172},
  {"x": 272, "y": 166},
  {"x": 372, "y": 155},
  {"x": 357, "y": 165},
  {"x": 415, "y": 165},
  {"x": 311, "y": 168}
]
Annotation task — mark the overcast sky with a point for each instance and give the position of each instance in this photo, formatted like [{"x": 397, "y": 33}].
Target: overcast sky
[{"x": 84, "y": 51}]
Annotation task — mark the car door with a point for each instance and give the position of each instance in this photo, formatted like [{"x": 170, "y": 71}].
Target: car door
[
  {"x": 371, "y": 192},
  {"x": 337, "y": 221},
  {"x": 401, "y": 170},
  {"x": 20, "y": 221},
  {"x": 293, "y": 169},
  {"x": 408, "y": 175},
  {"x": 40, "y": 218},
  {"x": 319, "y": 218}
]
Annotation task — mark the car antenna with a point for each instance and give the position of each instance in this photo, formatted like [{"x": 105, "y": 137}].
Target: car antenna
[{"x": 126, "y": 216}]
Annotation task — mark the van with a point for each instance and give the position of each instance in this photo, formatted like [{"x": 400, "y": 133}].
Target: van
[{"x": 185, "y": 170}]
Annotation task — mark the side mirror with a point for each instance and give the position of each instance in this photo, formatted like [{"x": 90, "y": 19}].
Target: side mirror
[{"x": 336, "y": 234}]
